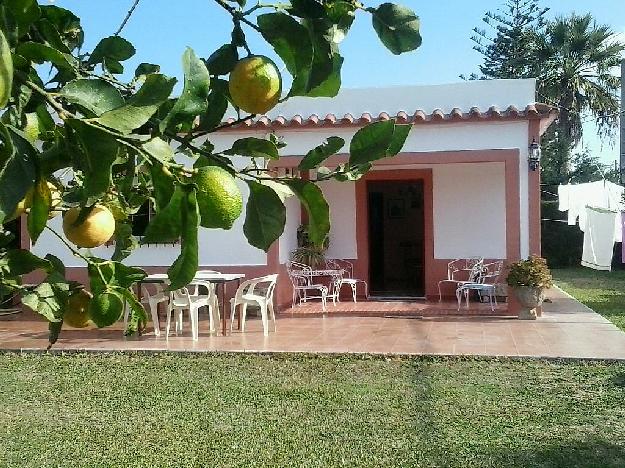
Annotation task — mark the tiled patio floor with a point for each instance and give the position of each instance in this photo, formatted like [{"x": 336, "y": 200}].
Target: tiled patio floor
[{"x": 567, "y": 329}]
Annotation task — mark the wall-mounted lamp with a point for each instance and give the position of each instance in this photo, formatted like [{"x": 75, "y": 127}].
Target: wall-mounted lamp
[{"x": 533, "y": 158}]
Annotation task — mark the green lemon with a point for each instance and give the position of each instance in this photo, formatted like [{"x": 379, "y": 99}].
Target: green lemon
[
  {"x": 255, "y": 84},
  {"x": 6, "y": 71},
  {"x": 77, "y": 314},
  {"x": 219, "y": 199}
]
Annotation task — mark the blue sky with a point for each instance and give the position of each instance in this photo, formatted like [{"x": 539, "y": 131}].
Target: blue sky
[{"x": 161, "y": 29}]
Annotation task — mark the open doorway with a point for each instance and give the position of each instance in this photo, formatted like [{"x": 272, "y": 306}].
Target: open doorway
[{"x": 396, "y": 238}]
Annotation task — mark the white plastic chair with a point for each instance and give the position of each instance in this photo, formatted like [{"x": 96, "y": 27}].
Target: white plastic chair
[
  {"x": 152, "y": 299},
  {"x": 301, "y": 280},
  {"x": 211, "y": 297},
  {"x": 485, "y": 284},
  {"x": 258, "y": 292},
  {"x": 181, "y": 300},
  {"x": 457, "y": 266},
  {"x": 347, "y": 277}
]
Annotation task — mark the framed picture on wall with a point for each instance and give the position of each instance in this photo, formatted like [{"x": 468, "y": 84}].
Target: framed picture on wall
[{"x": 396, "y": 208}]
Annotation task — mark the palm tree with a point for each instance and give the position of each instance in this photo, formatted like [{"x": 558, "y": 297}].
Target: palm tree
[{"x": 578, "y": 60}]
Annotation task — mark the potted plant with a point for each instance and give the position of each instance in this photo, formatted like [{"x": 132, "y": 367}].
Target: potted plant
[
  {"x": 307, "y": 252},
  {"x": 529, "y": 279}
]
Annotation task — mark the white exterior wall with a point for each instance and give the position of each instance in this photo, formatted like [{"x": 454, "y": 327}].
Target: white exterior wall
[{"x": 341, "y": 197}]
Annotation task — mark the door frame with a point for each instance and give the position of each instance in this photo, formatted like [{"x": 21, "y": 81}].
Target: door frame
[{"x": 362, "y": 217}]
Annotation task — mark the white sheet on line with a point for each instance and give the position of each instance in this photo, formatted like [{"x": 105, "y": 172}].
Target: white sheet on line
[{"x": 599, "y": 238}]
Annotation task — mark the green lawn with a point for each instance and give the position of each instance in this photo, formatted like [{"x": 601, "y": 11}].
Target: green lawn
[
  {"x": 292, "y": 411},
  {"x": 602, "y": 291}
]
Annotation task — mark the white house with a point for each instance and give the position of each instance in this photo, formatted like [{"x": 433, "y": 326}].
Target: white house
[{"x": 461, "y": 187}]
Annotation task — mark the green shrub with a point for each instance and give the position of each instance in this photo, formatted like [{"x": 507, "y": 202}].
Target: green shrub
[{"x": 532, "y": 272}]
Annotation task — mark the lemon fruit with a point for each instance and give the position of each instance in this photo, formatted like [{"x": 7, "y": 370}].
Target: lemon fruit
[
  {"x": 255, "y": 84},
  {"x": 77, "y": 314},
  {"x": 27, "y": 202},
  {"x": 6, "y": 71},
  {"x": 219, "y": 199},
  {"x": 97, "y": 228}
]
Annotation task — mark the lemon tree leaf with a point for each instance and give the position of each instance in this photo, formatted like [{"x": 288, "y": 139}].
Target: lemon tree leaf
[
  {"x": 184, "y": 268},
  {"x": 17, "y": 262},
  {"x": 163, "y": 184},
  {"x": 145, "y": 68},
  {"x": 39, "y": 209},
  {"x": 400, "y": 134},
  {"x": 223, "y": 60},
  {"x": 25, "y": 13},
  {"x": 137, "y": 311},
  {"x": 18, "y": 174},
  {"x": 114, "y": 49},
  {"x": 319, "y": 154},
  {"x": 50, "y": 297},
  {"x": 192, "y": 101},
  {"x": 317, "y": 207},
  {"x": 166, "y": 225},
  {"x": 307, "y": 9},
  {"x": 397, "y": 27},
  {"x": 292, "y": 43},
  {"x": 106, "y": 308},
  {"x": 138, "y": 110},
  {"x": 125, "y": 242},
  {"x": 254, "y": 148},
  {"x": 265, "y": 216},
  {"x": 40, "y": 53},
  {"x": 159, "y": 149},
  {"x": 371, "y": 142},
  {"x": 54, "y": 330},
  {"x": 99, "y": 151},
  {"x": 66, "y": 23},
  {"x": 217, "y": 105},
  {"x": 97, "y": 96}
]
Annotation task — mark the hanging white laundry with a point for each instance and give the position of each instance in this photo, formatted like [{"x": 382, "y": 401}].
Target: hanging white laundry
[
  {"x": 599, "y": 237},
  {"x": 563, "y": 197}
]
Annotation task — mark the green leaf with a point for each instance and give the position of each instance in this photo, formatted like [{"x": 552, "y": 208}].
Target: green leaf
[
  {"x": 397, "y": 27},
  {"x": 159, "y": 149},
  {"x": 324, "y": 79},
  {"x": 319, "y": 154},
  {"x": 192, "y": 101},
  {"x": 17, "y": 262},
  {"x": 265, "y": 216},
  {"x": 166, "y": 226},
  {"x": 24, "y": 12},
  {"x": 40, "y": 53},
  {"x": 138, "y": 110},
  {"x": 52, "y": 36},
  {"x": 137, "y": 312},
  {"x": 66, "y": 23},
  {"x": 54, "y": 330},
  {"x": 97, "y": 96},
  {"x": 146, "y": 68},
  {"x": 114, "y": 48},
  {"x": 223, "y": 60},
  {"x": 106, "y": 308},
  {"x": 371, "y": 142},
  {"x": 184, "y": 268},
  {"x": 49, "y": 298},
  {"x": 254, "y": 148},
  {"x": 39, "y": 209},
  {"x": 99, "y": 151},
  {"x": 307, "y": 9},
  {"x": 125, "y": 242},
  {"x": 317, "y": 207},
  {"x": 292, "y": 43},
  {"x": 163, "y": 183},
  {"x": 216, "y": 107},
  {"x": 18, "y": 174},
  {"x": 55, "y": 264},
  {"x": 400, "y": 134}
]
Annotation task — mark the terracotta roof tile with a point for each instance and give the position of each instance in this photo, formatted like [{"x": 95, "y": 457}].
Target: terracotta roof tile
[{"x": 537, "y": 110}]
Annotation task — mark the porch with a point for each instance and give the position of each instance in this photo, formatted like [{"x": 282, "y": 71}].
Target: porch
[{"x": 567, "y": 330}]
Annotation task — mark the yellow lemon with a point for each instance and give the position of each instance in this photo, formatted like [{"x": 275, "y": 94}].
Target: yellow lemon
[
  {"x": 27, "y": 201},
  {"x": 77, "y": 313},
  {"x": 219, "y": 199},
  {"x": 255, "y": 84},
  {"x": 96, "y": 229},
  {"x": 6, "y": 71}
]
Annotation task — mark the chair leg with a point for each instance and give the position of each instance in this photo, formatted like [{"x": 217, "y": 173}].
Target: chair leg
[
  {"x": 193, "y": 312},
  {"x": 233, "y": 307},
  {"x": 243, "y": 315},
  {"x": 353, "y": 285},
  {"x": 440, "y": 294},
  {"x": 169, "y": 313},
  {"x": 263, "y": 316},
  {"x": 323, "y": 300},
  {"x": 273, "y": 315},
  {"x": 459, "y": 298},
  {"x": 154, "y": 313}
]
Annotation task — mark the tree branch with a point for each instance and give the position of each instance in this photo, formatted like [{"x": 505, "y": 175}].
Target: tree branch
[{"x": 128, "y": 15}]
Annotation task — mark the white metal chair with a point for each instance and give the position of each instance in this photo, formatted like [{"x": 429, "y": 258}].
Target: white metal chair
[
  {"x": 257, "y": 292},
  {"x": 485, "y": 284},
  {"x": 347, "y": 277},
  {"x": 181, "y": 300},
  {"x": 457, "y": 267},
  {"x": 301, "y": 279},
  {"x": 152, "y": 299}
]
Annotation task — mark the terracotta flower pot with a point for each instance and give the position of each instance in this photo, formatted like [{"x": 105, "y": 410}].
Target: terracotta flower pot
[{"x": 530, "y": 298}]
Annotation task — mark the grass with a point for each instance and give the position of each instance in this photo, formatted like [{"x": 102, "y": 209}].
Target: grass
[
  {"x": 248, "y": 410},
  {"x": 602, "y": 291}
]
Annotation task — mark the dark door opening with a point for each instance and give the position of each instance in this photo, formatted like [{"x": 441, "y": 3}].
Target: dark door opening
[{"x": 396, "y": 238}]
